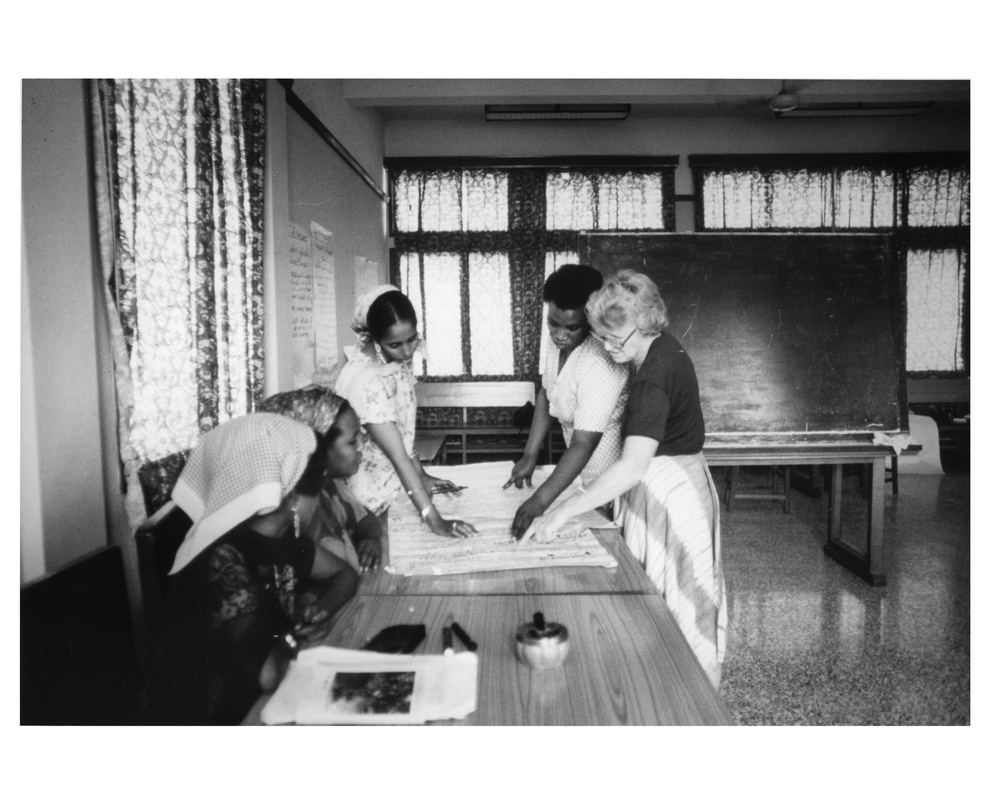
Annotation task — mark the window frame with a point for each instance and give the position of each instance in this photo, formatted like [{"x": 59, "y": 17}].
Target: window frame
[
  {"x": 908, "y": 238},
  {"x": 466, "y": 241}
]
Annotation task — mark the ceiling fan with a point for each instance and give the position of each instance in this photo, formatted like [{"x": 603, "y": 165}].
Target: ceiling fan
[
  {"x": 783, "y": 101},
  {"x": 786, "y": 104}
]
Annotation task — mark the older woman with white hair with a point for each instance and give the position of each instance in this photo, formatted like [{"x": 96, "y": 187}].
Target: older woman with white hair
[{"x": 670, "y": 510}]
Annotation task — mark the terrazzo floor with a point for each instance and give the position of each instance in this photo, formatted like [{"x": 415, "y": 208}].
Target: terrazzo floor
[{"x": 810, "y": 643}]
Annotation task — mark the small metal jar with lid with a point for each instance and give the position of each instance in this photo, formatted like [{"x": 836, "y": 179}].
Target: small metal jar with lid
[{"x": 542, "y": 645}]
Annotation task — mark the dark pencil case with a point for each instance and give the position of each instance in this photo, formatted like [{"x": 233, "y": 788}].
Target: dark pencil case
[{"x": 397, "y": 639}]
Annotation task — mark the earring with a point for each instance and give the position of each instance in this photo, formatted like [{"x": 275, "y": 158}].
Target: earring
[{"x": 380, "y": 354}]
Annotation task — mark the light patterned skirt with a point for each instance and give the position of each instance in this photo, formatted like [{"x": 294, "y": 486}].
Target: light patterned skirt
[{"x": 671, "y": 523}]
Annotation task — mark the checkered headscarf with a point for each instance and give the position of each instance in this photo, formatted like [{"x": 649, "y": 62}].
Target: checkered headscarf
[
  {"x": 242, "y": 468},
  {"x": 315, "y": 406}
]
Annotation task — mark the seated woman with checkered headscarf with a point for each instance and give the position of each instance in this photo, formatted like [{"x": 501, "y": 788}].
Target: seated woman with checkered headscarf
[{"x": 247, "y": 584}]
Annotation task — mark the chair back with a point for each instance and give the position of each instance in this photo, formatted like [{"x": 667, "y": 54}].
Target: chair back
[{"x": 156, "y": 544}]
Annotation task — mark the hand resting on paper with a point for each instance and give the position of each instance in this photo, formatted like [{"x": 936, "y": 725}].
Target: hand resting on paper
[
  {"x": 546, "y": 528},
  {"x": 369, "y": 553},
  {"x": 368, "y": 543},
  {"x": 454, "y": 528},
  {"x": 525, "y": 516}
]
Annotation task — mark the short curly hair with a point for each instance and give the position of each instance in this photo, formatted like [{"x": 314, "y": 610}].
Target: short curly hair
[
  {"x": 571, "y": 285},
  {"x": 628, "y": 296}
]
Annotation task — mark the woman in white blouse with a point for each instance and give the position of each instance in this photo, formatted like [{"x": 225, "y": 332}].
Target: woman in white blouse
[{"x": 581, "y": 387}]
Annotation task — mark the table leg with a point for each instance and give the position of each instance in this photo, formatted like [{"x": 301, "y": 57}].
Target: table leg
[
  {"x": 868, "y": 565},
  {"x": 876, "y": 523},
  {"x": 835, "y": 503}
]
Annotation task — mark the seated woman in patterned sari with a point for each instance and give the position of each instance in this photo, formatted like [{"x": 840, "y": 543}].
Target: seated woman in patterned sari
[{"x": 246, "y": 584}]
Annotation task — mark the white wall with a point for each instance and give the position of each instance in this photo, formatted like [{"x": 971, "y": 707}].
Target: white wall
[
  {"x": 32, "y": 546},
  {"x": 311, "y": 183},
  {"x": 66, "y": 508}
]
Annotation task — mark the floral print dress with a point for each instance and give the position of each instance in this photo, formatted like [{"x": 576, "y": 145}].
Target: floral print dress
[{"x": 379, "y": 393}]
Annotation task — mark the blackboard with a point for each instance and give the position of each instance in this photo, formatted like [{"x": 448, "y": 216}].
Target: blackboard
[{"x": 793, "y": 335}]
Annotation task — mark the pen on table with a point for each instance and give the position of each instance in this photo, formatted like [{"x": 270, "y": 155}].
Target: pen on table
[
  {"x": 440, "y": 488},
  {"x": 448, "y": 650},
  {"x": 465, "y": 638}
]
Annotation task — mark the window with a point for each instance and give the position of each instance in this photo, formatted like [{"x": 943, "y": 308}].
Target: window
[
  {"x": 474, "y": 242},
  {"x": 179, "y": 192},
  {"x": 925, "y": 199}
]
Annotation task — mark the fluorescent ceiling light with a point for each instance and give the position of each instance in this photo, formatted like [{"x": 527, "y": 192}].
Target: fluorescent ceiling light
[
  {"x": 523, "y": 112},
  {"x": 855, "y": 110}
]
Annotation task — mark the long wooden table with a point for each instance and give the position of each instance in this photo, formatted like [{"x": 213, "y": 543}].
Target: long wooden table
[
  {"x": 864, "y": 557},
  {"x": 628, "y": 663}
]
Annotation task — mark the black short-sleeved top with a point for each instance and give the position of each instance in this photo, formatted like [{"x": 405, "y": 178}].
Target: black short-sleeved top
[{"x": 665, "y": 403}]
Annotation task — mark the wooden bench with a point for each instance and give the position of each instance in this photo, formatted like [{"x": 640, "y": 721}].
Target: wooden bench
[{"x": 435, "y": 443}]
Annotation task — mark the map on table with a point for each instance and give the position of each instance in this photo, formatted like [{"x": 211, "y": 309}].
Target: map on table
[{"x": 415, "y": 550}]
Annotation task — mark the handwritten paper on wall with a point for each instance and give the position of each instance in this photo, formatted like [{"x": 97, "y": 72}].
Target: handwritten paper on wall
[
  {"x": 324, "y": 310},
  {"x": 313, "y": 305},
  {"x": 365, "y": 275},
  {"x": 415, "y": 550},
  {"x": 302, "y": 331}
]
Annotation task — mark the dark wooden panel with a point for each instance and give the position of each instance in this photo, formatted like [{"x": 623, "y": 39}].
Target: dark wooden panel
[
  {"x": 789, "y": 333},
  {"x": 78, "y": 663}
]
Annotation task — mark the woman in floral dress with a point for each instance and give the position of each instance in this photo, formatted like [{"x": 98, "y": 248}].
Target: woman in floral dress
[{"x": 379, "y": 383}]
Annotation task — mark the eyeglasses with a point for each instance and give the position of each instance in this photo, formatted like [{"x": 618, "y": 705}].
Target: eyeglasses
[{"x": 614, "y": 343}]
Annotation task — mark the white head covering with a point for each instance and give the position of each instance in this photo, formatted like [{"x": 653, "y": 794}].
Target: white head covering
[
  {"x": 359, "y": 324},
  {"x": 242, "y": 468}
]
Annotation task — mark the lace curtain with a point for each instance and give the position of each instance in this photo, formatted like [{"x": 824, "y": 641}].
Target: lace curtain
[
  {"x": 179, "y": 166},
  {"x": 934, "y": 291},
  {"x": 473, "y": 247},
  {"x": 798, "y": 199},
  {"x": 928, "y": 205},
  {"x": 937, "y": 282}
]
